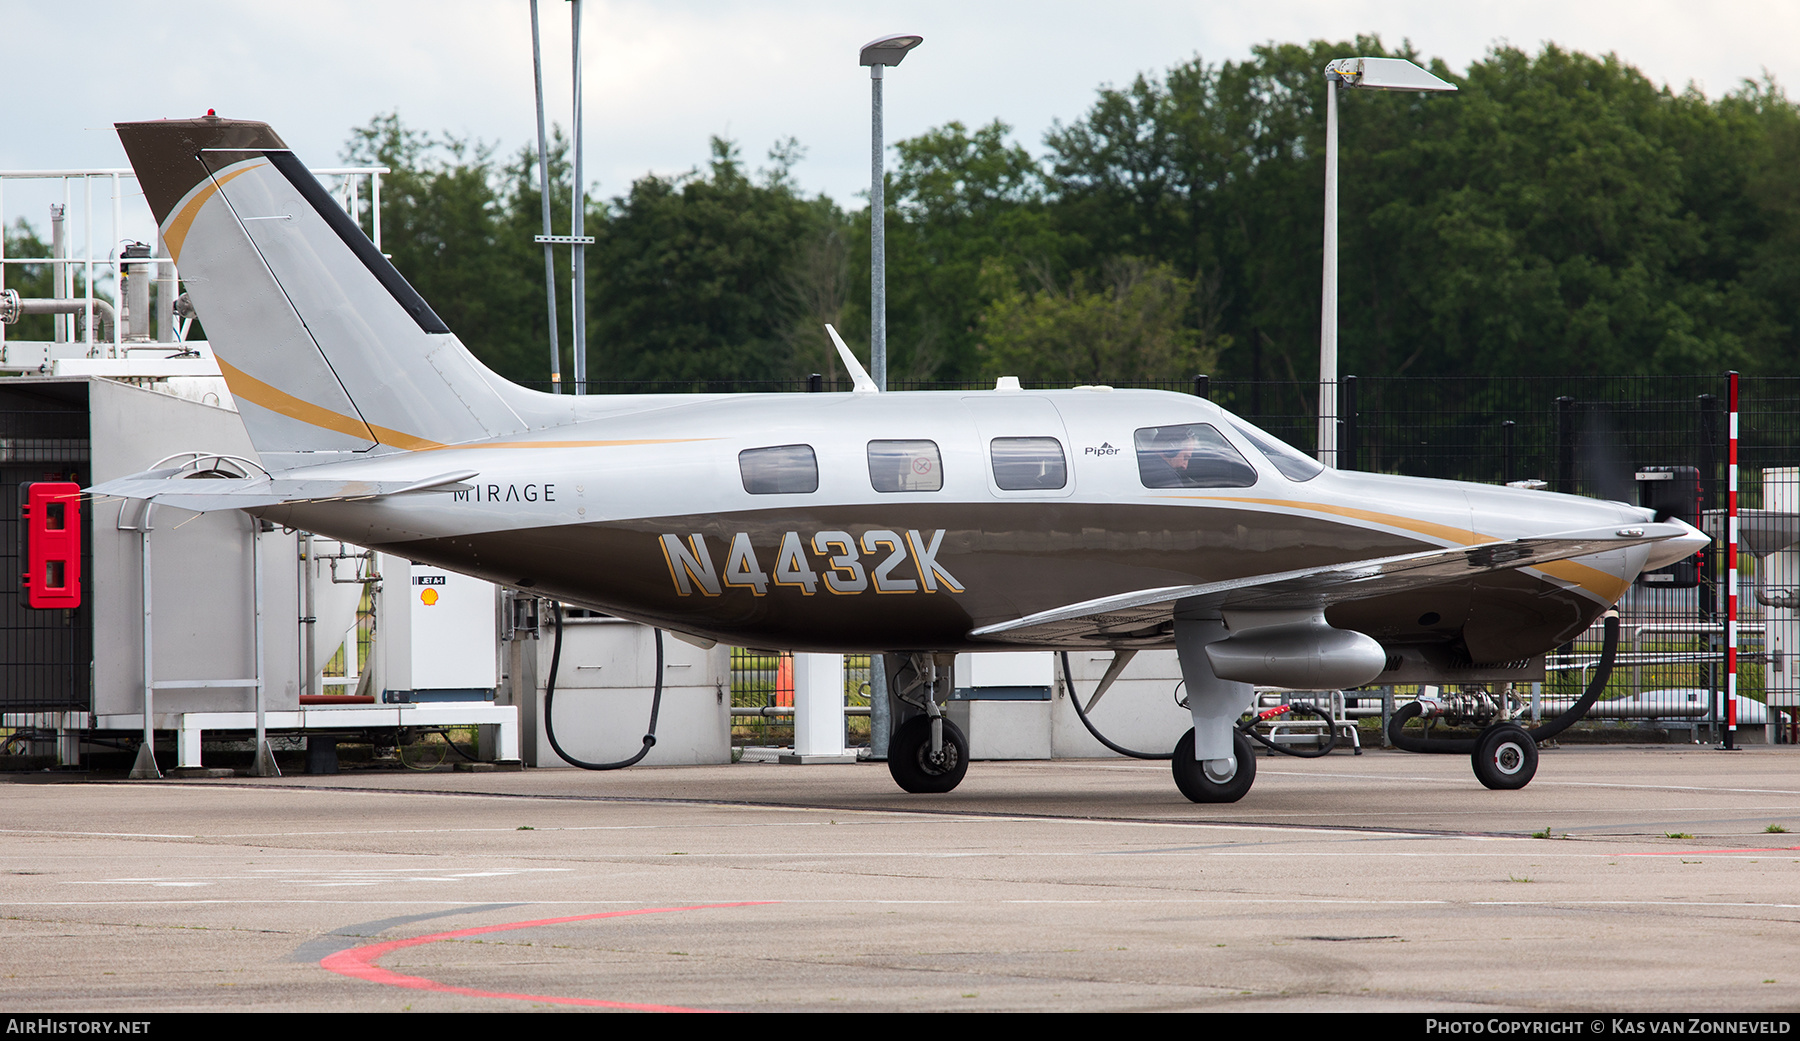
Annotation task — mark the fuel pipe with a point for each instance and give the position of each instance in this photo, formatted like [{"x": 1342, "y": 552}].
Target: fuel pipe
[
  {"x": 550, "y": 702},
  {"x": 1466, "y": 745},
  {"x": 1248, "y": 727},
  {"x": 1075, "y": 699}
]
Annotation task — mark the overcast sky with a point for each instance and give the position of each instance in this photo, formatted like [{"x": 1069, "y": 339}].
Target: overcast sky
[{"x": 662, "y": 77}]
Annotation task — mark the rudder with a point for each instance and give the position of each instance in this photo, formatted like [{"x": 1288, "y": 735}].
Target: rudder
[{"x": 324, "y": 344}]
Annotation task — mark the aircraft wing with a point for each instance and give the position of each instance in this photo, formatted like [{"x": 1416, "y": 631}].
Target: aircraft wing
[
  {"x": 1143, "y": 617},
  {"x": 204, "y": 495}
]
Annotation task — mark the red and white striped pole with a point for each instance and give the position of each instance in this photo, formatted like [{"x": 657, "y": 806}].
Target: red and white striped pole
[{"x": 1731, "y": 575}]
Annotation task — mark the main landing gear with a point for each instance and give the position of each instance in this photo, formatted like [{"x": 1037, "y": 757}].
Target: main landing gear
[
  {"x": 1215, "y": 780},
  {"x": 927, "y": 754},
  {"x": 919, "y": 769},
  {"x": 1214, "y": 762}
]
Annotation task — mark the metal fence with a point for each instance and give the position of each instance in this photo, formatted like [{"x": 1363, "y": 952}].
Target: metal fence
[
  {"x": 1586, "y": 435},
  {"x": 1583, "y": 435},
  {"x": 765, "y": 680}
]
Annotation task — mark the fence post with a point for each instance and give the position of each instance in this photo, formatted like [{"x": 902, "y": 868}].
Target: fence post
[
  {"x": 1731, "y": 566},
  {"x": 815, "y": 383},
  {"x": 1565, "y": 445},
  {"x": 1347, "y": 427},
  {"x": 1203, "y": 386},
  {"x": 1709, "y": 495},
  {"x": 1507, "y": 473}
]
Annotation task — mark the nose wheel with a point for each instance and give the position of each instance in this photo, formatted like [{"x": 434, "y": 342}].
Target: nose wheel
[
  {"x": 1505, "y": 757},
  {"x": 913, "y": 765}
]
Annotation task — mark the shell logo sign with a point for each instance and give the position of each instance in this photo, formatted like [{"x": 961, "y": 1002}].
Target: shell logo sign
[{"x": 429, "y": 594}]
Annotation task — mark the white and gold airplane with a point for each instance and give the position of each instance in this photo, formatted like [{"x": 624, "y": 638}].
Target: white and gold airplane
[{"x": 914, "y": 524}]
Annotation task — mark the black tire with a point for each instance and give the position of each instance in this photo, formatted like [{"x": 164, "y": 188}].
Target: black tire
[
  {"x": 1505, "y": 757},
  {"x": 1191, "y": 777},
  {"x": 909, "y": 757}
]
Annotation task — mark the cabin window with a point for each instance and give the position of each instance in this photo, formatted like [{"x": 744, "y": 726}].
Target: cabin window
[
  {"x": 1294, "y": 464},
  {"x": 905, "y": 466},
  {"x": 1192, "y": 455},
  {"x": 1025, "y": 464},
  {"x": 783, "y": 470}
]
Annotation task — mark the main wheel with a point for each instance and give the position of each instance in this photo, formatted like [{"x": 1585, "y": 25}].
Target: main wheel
[
  {"x": 1505, "y": 757},
  {"x": 1200, "y": 784},
  {"x": 909, "y": 757}
]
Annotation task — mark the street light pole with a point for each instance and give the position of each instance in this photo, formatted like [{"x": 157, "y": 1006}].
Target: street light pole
[
  {"x": 537, "y": 75},
  {"x": 576, "y": 233},
  {"x": 1361, "y": 74},
  {"x": 1328, "y": 295},
  {"x": 877, "y": 54},
  {"x": 877, "y": 237}
]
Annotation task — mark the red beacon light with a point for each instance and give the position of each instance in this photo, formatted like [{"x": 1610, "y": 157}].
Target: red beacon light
[{"x": 52, "y": 517}]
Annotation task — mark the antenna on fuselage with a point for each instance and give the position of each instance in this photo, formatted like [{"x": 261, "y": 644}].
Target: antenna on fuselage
[{"x": 860, "y": 381}]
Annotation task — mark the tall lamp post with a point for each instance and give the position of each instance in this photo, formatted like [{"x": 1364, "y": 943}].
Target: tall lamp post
[
  {"x": 1360, "y": 74},
  {"x": 877, "y": 54}
]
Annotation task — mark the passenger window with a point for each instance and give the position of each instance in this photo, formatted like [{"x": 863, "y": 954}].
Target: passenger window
[
  {"x": 905, "y": 466},
  {"x": 1193, "y": 455},
  {"x": 787, "y": 469},
  {"x": 1023, "y": 464}
]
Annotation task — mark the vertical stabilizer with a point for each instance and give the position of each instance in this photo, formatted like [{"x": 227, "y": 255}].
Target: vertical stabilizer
[{"x": 325, "y": 346}]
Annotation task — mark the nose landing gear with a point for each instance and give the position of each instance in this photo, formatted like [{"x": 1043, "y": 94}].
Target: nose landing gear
[{"x": 1505, "y": 757}]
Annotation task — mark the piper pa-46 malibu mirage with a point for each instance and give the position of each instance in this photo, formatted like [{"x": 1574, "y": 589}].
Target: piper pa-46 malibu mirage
[{"x": 914, "y": 524}]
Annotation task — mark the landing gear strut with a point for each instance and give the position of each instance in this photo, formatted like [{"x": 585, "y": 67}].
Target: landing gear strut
[
  {"x": 1214, "y": 762},
  {"x": 927, "y": 754}
]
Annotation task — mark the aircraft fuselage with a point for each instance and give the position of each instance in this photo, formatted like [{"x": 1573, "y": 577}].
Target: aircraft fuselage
[{"x": 648, "y": 512}]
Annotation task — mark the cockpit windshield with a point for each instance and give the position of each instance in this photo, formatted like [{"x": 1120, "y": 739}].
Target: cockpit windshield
[{"x": 1293, "y": 464}]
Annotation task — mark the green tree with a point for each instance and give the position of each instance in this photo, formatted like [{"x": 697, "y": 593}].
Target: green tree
[
  {"x": 30, "y": 281},
  {"x": 1133, "y": 325},
  {"x": 960, "y": 200},
  {"x": 693, "y": 277},
  {"x": 1558, "y": 214},
  {"x": 443, "y": 223}
]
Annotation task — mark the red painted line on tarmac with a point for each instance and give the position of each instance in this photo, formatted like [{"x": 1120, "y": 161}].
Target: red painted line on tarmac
[
  {"x": 360, "y": 962},
  {"x": 1703, "y": 852}
]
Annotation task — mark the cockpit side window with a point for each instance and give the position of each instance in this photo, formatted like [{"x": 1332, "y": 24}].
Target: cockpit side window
[
  {"x": 1294, "y": 464},
  {"x": 1191, "y": 455},
  {"x": 1028, "y": 463},
  {"x": 905, "y": 466},
  {"x": 782, "y": 470}
]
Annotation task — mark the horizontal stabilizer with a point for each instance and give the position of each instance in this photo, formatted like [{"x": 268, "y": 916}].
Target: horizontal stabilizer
[
  {"x": 1143, "y": 617},
  {"x": 178, "y": 487}
]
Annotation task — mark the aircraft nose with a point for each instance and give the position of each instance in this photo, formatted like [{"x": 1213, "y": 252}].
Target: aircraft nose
[{"x": 1691, "y": 540}]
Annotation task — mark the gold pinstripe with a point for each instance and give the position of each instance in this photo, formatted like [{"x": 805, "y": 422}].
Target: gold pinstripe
[
  {"x": 1594, "y": 580},
  {"x": 175, "y": 235}
]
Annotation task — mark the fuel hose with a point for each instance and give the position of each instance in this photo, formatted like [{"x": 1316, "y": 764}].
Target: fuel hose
[
  {"x": 1609, "y": 652},
  {"x": 550, "y": 702}
]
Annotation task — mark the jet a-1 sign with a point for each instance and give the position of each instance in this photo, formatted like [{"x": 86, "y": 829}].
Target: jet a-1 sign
[{"x": 915, "y": 524}]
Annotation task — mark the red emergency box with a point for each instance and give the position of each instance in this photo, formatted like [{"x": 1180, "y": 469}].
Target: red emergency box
[{"x": 52, "y": 524}]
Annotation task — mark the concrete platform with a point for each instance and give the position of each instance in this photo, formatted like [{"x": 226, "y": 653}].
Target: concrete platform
[{"x": 1386, "y": 881}]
